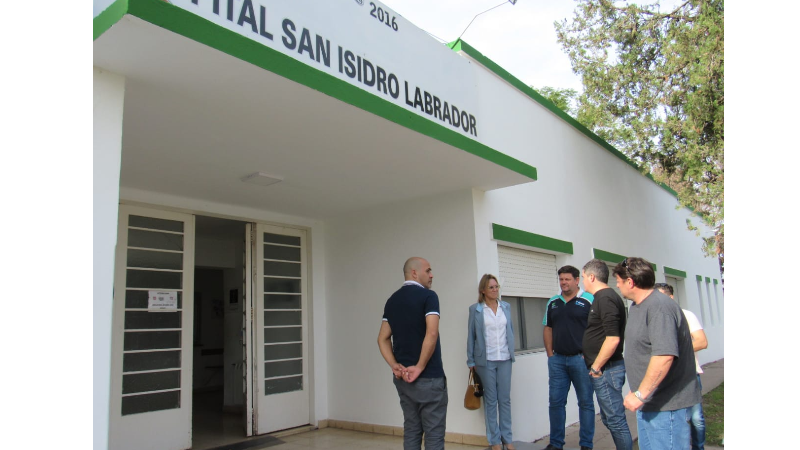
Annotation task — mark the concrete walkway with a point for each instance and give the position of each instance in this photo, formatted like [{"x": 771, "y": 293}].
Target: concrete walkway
[{"x": 713, "y": 376}]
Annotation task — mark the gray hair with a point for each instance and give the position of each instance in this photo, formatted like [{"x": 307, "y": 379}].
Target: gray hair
[{"x": 597, "y": 268}]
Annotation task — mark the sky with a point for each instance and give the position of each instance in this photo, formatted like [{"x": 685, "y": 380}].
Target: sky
[{"x": 520, "y": 38}]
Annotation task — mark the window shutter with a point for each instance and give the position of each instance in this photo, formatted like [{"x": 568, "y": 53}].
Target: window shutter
[{"x": 524, "y": 273}]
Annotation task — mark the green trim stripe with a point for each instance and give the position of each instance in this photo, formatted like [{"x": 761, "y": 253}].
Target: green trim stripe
[
  {"x": 508, "y": 234},
  {"x": 715, "y": 281},
  {"x": 460, "y": 45},
  {"x": 708, "y": 279},
  {"x": 608, "y": 256},
  {"x": 614, "y": 257},
  {"x": 674, "y": 272},
  {"x": 699, "y": 278},
  {"x": 194, "y": 27},
  {"x": 109, "y": 17}
]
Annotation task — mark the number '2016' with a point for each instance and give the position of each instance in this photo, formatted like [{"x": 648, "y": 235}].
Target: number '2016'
[{"x": 383, "y": 16}]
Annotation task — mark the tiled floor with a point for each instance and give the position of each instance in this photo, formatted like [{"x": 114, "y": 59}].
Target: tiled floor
[
  {"x": 213, "y": 429},
  {"x": 336, "y": 439},
  {"x": 210, "y": 426}
]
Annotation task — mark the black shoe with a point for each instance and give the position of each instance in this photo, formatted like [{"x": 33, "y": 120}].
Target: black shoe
[
  {"x": 585, "y": 448},
  {"x": 551, "y": 447}
]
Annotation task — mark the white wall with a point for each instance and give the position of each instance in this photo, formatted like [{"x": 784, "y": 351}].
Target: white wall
[
  {"x": 591, "y": 198},
  {"x": 584, "y": 195},
  {"x": 109, "y": 92},
  {"x": 365, "y": 257}
]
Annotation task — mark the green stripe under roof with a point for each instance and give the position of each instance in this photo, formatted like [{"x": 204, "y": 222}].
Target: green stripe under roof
[
  {"x": 460, "y": 46},
  {"x": 613, "y": 257},
  {"x": 109, "y": 17},
  {"x": 508, "y": 234},
  {"x": 175, "y": 19},
  {"x": 674, "y": 272},
  {"x": 608, "y": 256}
]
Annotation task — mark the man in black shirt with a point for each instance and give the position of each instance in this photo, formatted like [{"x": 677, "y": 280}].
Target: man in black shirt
[
  {"x": 602, "y": 351},
  {"x": 564, "y": 324}
]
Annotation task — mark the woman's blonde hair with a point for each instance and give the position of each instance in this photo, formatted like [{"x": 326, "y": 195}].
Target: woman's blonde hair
[{"x": 485, "y": 284}]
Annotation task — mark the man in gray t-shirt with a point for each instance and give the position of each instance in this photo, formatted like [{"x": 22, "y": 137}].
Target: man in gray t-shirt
[{"x": 659, "y": 359}]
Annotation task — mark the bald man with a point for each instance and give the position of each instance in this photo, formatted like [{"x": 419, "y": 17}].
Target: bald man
[{"x": 409, "y": 342}]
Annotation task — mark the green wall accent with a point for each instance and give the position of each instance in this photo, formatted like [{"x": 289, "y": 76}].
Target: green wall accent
[
  {"x": 699, "y": 278},
  {"x": 674, "y": 272},
  {"x": 708, "y": 279},
  {"x": 109, "y": 17},
  {"x": 508, "y": 234},
  {"x": 608, "y": 256},
  {"x": 194, "y": 27},
  {"x": 715, "y": 281},
  {"x": 614, "y": 257}
]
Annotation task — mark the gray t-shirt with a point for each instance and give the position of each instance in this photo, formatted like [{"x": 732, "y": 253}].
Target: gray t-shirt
[{"x": 657, "y": 327}]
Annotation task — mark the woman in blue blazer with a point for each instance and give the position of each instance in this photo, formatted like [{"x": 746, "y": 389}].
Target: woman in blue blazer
[{"x": 490, "y": 351}]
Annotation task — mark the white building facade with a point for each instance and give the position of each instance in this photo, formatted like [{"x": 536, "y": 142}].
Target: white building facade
[{"x": 263, "y": 169}]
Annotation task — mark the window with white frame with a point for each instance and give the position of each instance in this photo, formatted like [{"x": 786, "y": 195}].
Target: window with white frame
[{"x": 527, "y": 280}]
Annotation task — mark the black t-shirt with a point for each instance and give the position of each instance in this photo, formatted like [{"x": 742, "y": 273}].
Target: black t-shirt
[
  {"x": 606, "y": 318},
  {"x": 406, "y": 311},
  {"x": 568, "y": 321}
]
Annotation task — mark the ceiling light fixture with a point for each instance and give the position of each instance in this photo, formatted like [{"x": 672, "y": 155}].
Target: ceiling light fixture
[{"x": 261, "y": 179}]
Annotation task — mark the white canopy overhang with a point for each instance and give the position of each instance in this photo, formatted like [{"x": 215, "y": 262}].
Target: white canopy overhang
[{"x": 197, "y": 120}]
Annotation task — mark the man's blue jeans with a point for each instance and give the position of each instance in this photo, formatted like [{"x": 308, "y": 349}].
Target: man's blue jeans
[
  {"x": 564, "y": 370},
  {"x": 698, "y": 423},
  {"x": 664, "y": 430},
  {"x": 608, "y": 388}
]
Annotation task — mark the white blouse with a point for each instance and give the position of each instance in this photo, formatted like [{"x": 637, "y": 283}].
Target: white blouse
[{"x": 494, "y": 331}]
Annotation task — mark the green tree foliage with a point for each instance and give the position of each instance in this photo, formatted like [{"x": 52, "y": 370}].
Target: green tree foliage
[
  {"x": 564, "y": 98},
  {"x": 654, "y": 88}
]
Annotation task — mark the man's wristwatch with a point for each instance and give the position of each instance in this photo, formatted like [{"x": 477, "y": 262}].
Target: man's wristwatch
[
  {"x": 639, "y": 396},
  {"x": 594, "y": 371}
]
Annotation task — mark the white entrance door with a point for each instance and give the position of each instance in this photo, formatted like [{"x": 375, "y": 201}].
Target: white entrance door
[
  {"x": 151, "y": 375},
  {"x": 280, "y": 324}
]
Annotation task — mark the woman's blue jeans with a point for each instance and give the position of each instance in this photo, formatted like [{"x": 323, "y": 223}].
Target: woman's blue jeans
[
  {"x": 496, "y": 378},
  {"x": 608, "y": 388},
  {"x": 563, "y": 371}
]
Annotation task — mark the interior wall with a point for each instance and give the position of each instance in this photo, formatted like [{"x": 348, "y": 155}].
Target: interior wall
[
  {"x": 220, "y": 255},
  {"x": 233, "y": 355},
  {"x": 208, "y": 346}
]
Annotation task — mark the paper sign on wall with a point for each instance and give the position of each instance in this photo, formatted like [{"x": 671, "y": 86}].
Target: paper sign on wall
[{"x": 162, "y": 301}]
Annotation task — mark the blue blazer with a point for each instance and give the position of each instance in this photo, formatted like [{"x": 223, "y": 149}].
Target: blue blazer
[{"x": 476, "y": 340}]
